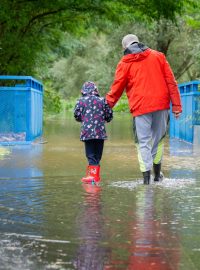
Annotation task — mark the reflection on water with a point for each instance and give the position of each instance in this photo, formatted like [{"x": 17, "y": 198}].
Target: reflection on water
[
  {"x": 155, "y": 245},
  {"x": 4, "y": 152},
  {"x": 17, "y": 161},
  {"x": 49, "y": 220},
  {"x": 91, "y": 252}
]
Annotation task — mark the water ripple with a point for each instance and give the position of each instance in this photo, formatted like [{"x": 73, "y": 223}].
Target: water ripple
[{"x": 172, "y": 183}]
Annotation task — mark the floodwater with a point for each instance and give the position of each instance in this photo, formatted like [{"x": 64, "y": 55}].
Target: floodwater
[{"x": 49, "y": 220}]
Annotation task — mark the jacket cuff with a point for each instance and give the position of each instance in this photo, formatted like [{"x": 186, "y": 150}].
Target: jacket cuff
[
  {"x": 110, "y": 103},
  {"x": 176, "y": 108}
]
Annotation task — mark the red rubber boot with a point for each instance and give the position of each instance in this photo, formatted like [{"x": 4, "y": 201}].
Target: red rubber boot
[
  {"x": 93, "y": 175},
  {"x": 95, "y": 172}
]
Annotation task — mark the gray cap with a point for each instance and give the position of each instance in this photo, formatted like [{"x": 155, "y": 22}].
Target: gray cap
[{"x": 128, "y": 40}]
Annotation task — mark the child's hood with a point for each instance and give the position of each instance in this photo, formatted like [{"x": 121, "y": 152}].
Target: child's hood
[{"x": 89, "y": 88}]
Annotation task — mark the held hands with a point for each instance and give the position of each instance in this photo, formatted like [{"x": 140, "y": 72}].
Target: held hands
[{"x": 177, "y": 114}]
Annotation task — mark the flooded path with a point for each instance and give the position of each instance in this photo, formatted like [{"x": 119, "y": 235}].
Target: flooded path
[{"x": 49, "y": 220}]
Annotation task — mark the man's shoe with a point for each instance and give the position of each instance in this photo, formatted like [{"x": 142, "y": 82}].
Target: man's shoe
[
  {"x": 159, "y": 178},
  {"x": 158, "y": 175},
  {"x": 147, "y": 177}
]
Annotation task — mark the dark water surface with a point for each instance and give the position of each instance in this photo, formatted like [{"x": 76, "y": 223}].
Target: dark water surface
[{"x": 49, "y": 220}]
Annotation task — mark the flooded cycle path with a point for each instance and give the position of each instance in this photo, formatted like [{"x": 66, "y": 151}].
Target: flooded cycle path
[{"x": 49, "y": 220}]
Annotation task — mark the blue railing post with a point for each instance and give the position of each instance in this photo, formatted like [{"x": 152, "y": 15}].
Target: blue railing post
[
  {"x": 183, "y": 128},
  {"x": 21, "y": 109}
]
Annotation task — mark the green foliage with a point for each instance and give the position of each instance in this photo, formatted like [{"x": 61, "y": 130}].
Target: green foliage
[
  {"x": 122, "y": 105},
  {"x": 96, "y": 57},
  {"x": 192, "y": 13},
  {"x": 67, "y": 42},
  {"x": 70, "y": 103},
  {"x": 87, "y": 62},
  {"x": 31, "y": 29},
  {"x": 52, "y": 102}
]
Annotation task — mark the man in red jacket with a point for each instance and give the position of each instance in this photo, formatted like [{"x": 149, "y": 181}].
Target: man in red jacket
[{"x": 150, "y": 87}]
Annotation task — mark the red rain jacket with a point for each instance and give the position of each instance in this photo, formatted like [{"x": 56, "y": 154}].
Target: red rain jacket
[{"x": 149, "y": 82}]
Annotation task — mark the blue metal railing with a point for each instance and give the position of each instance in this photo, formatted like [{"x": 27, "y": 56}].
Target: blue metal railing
[
  {"x": 183, "y": 128},
  {"x": 21, "y": 109}
]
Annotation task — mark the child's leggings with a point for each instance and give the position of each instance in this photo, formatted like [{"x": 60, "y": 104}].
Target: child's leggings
[{"x": 94, "y": 150}]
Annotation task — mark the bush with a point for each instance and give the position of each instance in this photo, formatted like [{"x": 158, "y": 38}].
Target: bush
[
  {"x": 52, "y": 102},
  {"x": 122, "y": 105},
  {"x": 70, "y": 104}
]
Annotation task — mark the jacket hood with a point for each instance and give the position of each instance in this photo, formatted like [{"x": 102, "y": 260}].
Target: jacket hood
[
  {"x": 89, "y": 89},
  {"x": 136, "y": 52}
]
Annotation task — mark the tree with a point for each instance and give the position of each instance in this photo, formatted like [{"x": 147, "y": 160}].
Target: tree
[{"x": 29, "y": 29}]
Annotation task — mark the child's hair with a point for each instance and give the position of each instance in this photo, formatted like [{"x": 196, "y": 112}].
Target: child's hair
[{"x": 89, "y": 88}]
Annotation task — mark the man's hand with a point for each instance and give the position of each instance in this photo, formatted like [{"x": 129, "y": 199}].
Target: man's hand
[{"x": 177, "y": 114}]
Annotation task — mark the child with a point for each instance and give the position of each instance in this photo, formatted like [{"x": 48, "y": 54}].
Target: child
[{"x": 92, "y": 111}]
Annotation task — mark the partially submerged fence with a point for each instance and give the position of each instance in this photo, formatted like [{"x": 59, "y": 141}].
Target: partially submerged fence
[
  {"x": 185, "y": 128},
  {"x": 21, "y": 109}
]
